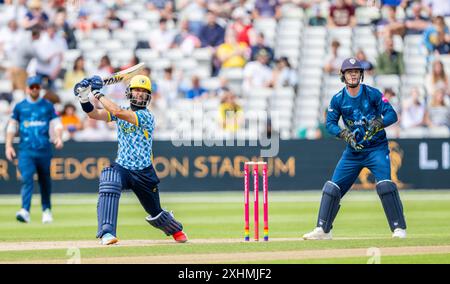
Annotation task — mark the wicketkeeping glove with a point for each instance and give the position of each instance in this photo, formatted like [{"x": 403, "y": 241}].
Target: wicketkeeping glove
[
  {"x": 349, "y": 137},
  {"x": 96, "y": 83},
  {"x": 375, "y": 125}
]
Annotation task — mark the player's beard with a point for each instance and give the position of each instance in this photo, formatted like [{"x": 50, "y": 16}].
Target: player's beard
[{"x": 34, "y": 95}]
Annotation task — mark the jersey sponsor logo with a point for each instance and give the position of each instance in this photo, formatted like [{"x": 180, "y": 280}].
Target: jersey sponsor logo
[
  {"x": 128, "y": 130},
  {"x": 330, "y": 110},
  {"x": 36, "y": 123}
]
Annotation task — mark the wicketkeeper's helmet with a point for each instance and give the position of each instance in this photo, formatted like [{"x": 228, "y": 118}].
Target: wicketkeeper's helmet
[
  {"x": 142, "y": 82},
  {"x": 349, "y": 64}
]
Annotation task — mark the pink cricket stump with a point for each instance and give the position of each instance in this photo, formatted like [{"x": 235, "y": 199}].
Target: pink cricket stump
[
  {"x": 256, "y": 199},
  {"x": 246, "y": 203},
  {"x": 266, "y": 203}
]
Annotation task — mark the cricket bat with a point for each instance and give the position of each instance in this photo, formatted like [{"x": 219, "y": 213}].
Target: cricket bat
[{"x": 121, "y": 76}]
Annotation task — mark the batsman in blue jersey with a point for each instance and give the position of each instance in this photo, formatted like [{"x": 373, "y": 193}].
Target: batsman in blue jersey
[
  {"x": 365, "y": 114},
  {"x": 133, "y": 168},
  {"x": 33, "y": 118}
]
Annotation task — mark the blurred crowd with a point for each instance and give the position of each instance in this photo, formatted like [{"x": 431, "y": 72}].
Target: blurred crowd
[{"x": 36, "y": 35}]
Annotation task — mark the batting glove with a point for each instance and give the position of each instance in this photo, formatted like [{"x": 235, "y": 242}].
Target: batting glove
[
  {"x": 96, "y": 83},
  {"x": 375, "y": 125},
  {"x": 82, "y": 89},
  {"x": 349, "y": 137},
  {"x": 97, "y": 94}
]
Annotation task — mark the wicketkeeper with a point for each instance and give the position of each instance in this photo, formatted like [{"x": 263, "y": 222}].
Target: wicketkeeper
[
  {"x": 365, "y": 113},
  {"x": 133, "y": 167}
]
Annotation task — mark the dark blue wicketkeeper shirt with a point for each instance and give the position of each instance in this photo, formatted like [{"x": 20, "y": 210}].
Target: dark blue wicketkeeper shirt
[{"x": 357, "y": 111}]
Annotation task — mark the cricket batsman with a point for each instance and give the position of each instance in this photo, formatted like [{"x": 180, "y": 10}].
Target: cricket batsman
[
  {"x": 133, "y": 167},
  {"x": 365, "y": 113}
]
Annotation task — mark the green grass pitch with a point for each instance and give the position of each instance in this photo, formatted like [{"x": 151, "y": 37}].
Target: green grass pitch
[{"x": 214, "y": 224}]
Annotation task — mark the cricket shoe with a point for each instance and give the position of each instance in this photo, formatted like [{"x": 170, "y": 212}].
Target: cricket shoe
[
  {"x": 318, "y": 234},
  {"x": 47, "y": 217},
  {"x": 108, "y": 239},
  {"x": 23, "y": 216},
  {"x": 180, "y": 237},
  {"x": 399, "y": 233}
]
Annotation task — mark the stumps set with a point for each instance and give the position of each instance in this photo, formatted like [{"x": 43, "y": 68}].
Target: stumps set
[{"x": 255, "y": 171}]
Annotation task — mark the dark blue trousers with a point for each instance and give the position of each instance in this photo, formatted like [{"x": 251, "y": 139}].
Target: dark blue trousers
[
  {"x": 351, "y": 164},
  {"x": 29, "y": 164},
  {"x": 144, "y": 184}
]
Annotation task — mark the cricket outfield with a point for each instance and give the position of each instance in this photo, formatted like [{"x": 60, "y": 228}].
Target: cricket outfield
[{"x": 215, "y": 225}]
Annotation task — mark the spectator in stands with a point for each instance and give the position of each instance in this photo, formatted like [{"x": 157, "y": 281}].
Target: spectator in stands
[
  {"x": 21, "y": 57},
  {"x": 392, "y": 3},
  {"x": 390, "y": 26},
  {"x": 393, "y": 130},
  {"x": 390, "y": 62},
  {"x": 105, "y": 67},
  {"x": 133, "y": 61},
  {"x": 164, "y": 7},
  {"x": 70, "y": 121},
  {"x": 76, "y": 74},
  {"x": 63, "y": 27},
  {"x": 161, "y": 39},
  {"x": 54, "y": 46},
  {"x": 416, "y": 23},
  {"x": 334, "y": 60},
  {"x": 413, "y": 111},
  {"x": 97, "y": 10},
  {"x": 365, "y": 63},
  {"x": 231, "y": 54},
  {"x": 438, "y": 111},
  {"x": 442, "y": 46},
  {"x": 317, "y": 19},
  {"x": 222, "y": 8},
  {"x": 437, "y": 79},
  {"x": 13, "y": 9},
  {"x": 230, "y": 112},
  {"x": 196, "y": 91},
  {"x": 390, "y": 95},
  {"x": 112, "y": 21},
  {"x": 284, "y": 75},
  {"x": 10, "y": 38},
  {"x": 168, "y": 87},
  {"x": 260, "y": 43},
  {"x": 242, "y": 27},
  {"x": 430, "y": 35},
  {"x": 257, "y": 74},
  {"x": 185, "y": 40},
  {"x": 35, "y": 17},
  {"x": 84, "y": 23},
  {"x": 194, "y": 12},
  {"x": 212, "y": 34},
  {"x": 223, "y": 87},
  {"x": 437, "y": 7},
  {"x": 267, "y": 9},
  {"x": 342, "y": 14}
]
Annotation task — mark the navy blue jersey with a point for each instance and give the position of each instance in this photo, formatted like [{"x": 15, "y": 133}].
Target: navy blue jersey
[
  {"x": 34, "y": 124},
  {"x": 357, "y": 111}
]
